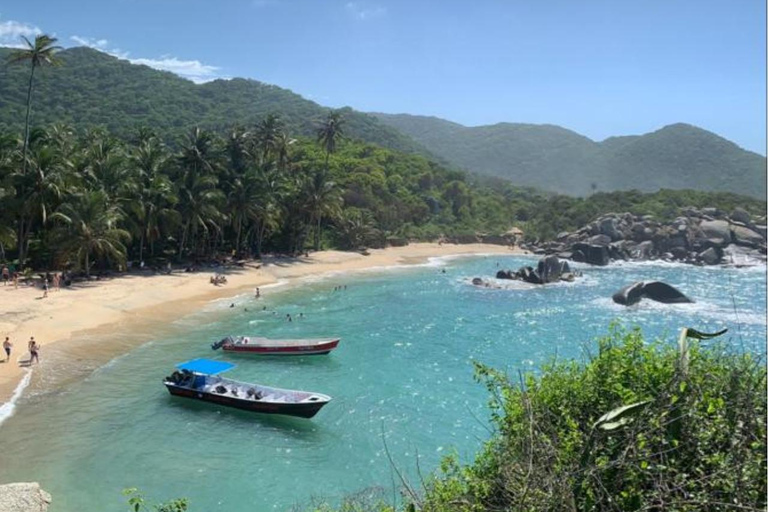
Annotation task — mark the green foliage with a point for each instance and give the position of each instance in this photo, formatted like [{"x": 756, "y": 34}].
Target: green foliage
[
  {"x": 138, "y": 503},
  {"x": 92, "y": 89},
  {"x": 552, "y": 158},
  {"x": 693, "y": 440}
]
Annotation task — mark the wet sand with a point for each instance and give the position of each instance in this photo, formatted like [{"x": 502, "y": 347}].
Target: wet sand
[{"x": 87, "y": 324}]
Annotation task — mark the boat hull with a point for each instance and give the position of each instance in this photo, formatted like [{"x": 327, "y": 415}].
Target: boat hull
[
  {"x": 278, "y": 350},
  {"x": 301, "y": 410}
]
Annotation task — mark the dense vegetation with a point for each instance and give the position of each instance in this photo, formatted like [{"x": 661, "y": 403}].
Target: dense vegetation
[
  {"x": 93, "y": 89},
  {"x": 687, "y": 431},
  {"x": 552, "y": 158},
  {"x": 89, "y": 196}
]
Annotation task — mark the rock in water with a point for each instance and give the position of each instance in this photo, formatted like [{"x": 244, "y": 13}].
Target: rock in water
[
  {"x": 23, "y": 497},
  {"x": 630, "y": 294},
  {"x": 654, "y": 290}
]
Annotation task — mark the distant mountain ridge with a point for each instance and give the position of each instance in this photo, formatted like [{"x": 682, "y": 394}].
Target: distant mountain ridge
[
  {"x": 94, "y": 88},
  {"x": 549, "y": 157}
]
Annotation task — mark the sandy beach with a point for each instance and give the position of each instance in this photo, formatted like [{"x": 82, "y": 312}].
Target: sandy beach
[{"x": 65, "y": 322}]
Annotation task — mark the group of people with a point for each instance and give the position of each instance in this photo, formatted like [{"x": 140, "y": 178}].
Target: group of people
[
  {"x": 7, "y": 275},
  {"x": 33, "y": 347},
  {"x": 218, "y": 279}
]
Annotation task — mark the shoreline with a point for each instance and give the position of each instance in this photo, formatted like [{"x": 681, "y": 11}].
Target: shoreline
[{"x": 73, "y": 324}]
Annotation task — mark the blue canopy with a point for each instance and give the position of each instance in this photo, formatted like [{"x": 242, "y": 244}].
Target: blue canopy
[{"x": 206, "y": 366}]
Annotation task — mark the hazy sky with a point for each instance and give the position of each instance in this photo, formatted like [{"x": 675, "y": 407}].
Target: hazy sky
[{"x": 601, "y": 68}]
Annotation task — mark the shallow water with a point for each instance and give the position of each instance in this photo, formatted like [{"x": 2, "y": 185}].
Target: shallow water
[{"x": 402, "y": 372}]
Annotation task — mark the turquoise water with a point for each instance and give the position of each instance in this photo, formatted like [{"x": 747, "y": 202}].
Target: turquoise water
[{"x": 402, "y": 373}]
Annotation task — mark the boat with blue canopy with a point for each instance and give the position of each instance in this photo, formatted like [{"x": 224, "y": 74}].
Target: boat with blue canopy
[{"x": 199, "y": 379}]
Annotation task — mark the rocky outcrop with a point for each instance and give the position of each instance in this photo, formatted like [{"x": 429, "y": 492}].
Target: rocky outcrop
[
  {"x": 23, "y": 497},
  {"x": 654, "y": 290},
  {"x": 550, "y": 269},
  {"x": 703, "y": 236}
]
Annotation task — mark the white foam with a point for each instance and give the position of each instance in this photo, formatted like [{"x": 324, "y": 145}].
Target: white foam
[{"x": 6, "y": 410}]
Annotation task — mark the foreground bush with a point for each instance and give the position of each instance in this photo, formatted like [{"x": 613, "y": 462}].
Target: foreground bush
[{"x": 693, "y": 438}]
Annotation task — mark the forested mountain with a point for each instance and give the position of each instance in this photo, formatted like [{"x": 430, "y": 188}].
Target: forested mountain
[
  {"x": 92, "y": 88},
  {"x": 678, "y": 156}
]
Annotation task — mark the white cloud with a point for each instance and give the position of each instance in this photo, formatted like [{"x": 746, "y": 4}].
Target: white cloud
[
  {"x": 11, "y": 32},
  {"x": 364, "y": 12},
  {"x": 190, "y": 69}
]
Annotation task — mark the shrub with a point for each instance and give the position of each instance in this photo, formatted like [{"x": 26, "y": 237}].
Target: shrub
[{"x": 695, "y": 438}]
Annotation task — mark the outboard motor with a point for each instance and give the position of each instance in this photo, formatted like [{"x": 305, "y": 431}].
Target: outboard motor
[{"x": 221, "y": 343}]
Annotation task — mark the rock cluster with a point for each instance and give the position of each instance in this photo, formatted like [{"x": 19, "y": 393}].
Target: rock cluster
[
  {"x": 706, "y": 236},
  {"x": 549, "y": 270},
  {"x": 23, "y": 497}
]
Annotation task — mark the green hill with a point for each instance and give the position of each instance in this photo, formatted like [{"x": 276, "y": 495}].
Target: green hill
[
  {"x": 549, "y": 157},
  {"x": 93, "y": 88}
]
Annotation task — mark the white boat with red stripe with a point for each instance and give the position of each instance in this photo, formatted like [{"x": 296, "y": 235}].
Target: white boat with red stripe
[{"x": 270, "y": 347}]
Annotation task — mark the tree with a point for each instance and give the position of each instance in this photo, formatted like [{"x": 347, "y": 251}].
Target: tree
[
  {"x": 329, "y": 134},
  {"x": 322, "y": 199},
  {"x": 41, "y": 52},
  {"x": 92, "y": 228},
  {"x": 154, "y": 198}
]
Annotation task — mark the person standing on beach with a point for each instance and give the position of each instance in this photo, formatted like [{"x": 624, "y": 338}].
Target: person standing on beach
[
  {"x": 6, "y": 275},
  {"x": 7, "y": 347},
  {"x": 33, "y": 351}
]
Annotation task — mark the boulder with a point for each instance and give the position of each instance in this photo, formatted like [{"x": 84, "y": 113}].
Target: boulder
[
  {"x": 717, "y": 231},
  {"x": 741, "y": 215},
  {"x": 551, "y": 268},
  {"x": 643, "y": 251},
  {"x": 599, "y": 240},
  {"x": 505, "y": 274},
  {"x": 710, "y": 256},
  {"x": 654, "y": 290},
  {"x": 609, "y": 227},
  {"x": 23, "y": 497},
  {"x": 744, "y": 236},
  {"x": 477, "y": 281},
  {"x": 592, "y": 254}
]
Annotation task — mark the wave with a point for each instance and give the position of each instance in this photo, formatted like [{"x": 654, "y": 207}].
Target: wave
[
  {"x": 6, "y": 410},
  {"x": 708, "y": 310}
]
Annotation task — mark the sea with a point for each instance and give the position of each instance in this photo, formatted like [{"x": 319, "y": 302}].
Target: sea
[{"x": 402, "y": 382}]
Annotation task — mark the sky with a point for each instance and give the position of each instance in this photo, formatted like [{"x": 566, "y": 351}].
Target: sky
[{"x": 598, "y": 67}]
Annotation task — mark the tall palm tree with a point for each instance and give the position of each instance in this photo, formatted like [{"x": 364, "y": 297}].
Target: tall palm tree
[
  {"x": 199, "y": 196},
  {"x": 39, "y": 53},
  {"x": 329, "y": 134},
  {"x": 153, "y": 198},
  {"x": 322, "y": 199},
  {"x": 92, "y": 228},
  {"x": 268, "y": 133}
]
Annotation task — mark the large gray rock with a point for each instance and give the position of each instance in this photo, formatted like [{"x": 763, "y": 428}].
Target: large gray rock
[
  {"x": 23, "y": 497},
  {"x": 745, "y": 236},
  {"x": 710, "y": 257},
  {"x": 654, "y": 290},
  {"x": 589, "y": 253},
  {"x": 741, "y": 215},
  {"x": 643, "y": 251},
  {"x": 599, "y": 240},
  {"x": 719, "y": 231},
  {"x": 609, "y": 227}
]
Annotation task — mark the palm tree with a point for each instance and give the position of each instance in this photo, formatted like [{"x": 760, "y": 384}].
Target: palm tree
[
  {"x": 41, "y": 52},
  {"x": 330, "y": 133},
  {"x": 268, "y": 133},
  {"x": 92, "y": 228},
  {"x": 199, "y": 197},
  {"x": 153, "y": 198},
  {"x": 321, "y": 199}
]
